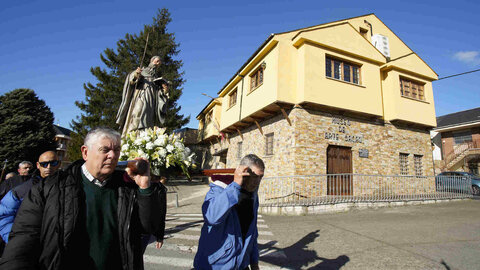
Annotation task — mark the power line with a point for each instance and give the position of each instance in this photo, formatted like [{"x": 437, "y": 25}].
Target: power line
[{"x": 458, "y": 74}]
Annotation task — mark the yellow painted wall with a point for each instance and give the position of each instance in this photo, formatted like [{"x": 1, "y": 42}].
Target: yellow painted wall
[
  {"x": 295, "y": 73},
  {"x": 267, "y": 92},
  {"x": 287, "y": 72},
  {"x": 320, "y": 89},
  {"x": 210, "y": 129},
  {"x": 406, "y": 109},
  {"x": 342, "y": 37},
  {"x": 231, "y": 115},
  {"x": 252, "y": 101}
]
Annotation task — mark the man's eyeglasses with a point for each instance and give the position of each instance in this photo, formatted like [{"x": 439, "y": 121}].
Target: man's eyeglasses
[{"x": 52, "y": 163}]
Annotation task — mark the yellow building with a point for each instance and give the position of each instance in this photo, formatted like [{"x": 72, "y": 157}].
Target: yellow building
[{"x": 343, "y": 97}]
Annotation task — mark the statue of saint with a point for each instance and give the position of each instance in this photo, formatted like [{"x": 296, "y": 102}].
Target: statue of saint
[{"x": 144, "y": 99}]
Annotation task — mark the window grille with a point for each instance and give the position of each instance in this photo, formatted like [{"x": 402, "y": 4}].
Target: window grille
[
  {"x": 411, "y": 89},
  {"x": 239, "y": 150},
  {"x": 418, "y": 165},
  {"x": 403, "y": 164},
  {"x": 269, "y": 144}
]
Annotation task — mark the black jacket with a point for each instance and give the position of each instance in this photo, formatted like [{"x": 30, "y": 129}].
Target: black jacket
[
  {"x": 12, "y": 182},
  {"x": 47, "y": 233}
]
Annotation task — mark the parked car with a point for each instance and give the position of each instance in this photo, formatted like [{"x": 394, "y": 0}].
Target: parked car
[{"x": 456, "y": 182}]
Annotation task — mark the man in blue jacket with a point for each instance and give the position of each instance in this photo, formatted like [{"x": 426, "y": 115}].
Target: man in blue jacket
[
  {"x": 47, "y": 165},
  {"x": 229, "y": 235}
]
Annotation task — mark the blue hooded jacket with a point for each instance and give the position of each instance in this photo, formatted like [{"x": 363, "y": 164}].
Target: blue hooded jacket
[
  {"x": 10, "y": 203},
  {"x": 221, "y": 245}
]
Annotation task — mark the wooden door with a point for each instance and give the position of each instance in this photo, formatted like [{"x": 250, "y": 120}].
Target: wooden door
[{"x": 339, "y": 164}]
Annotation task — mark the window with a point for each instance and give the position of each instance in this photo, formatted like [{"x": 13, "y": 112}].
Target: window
[
  {"x": 462, "y": 137},
  {"x": 364, "y": 32},
  {"x": 239, "y": 150},
  {"x": 342, "y": 70},
  {"x": 411, "y": 89},
  {"x": 269, "y": 144},
  {"x": 232, "y": 100},
  {"x": 208, "y": 117},
  {"x": 417, "y": 159},
  {"x": 403, "y": 164},
  {"x": 256, "y": 79}
]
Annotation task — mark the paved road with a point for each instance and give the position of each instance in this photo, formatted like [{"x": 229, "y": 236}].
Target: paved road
[{"x": 435, "y": 236}]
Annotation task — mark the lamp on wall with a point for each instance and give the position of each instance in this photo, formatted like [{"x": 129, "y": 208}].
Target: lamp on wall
[
  {"x": 264, "y": 65},
  {"x": 208, "y": 96}
]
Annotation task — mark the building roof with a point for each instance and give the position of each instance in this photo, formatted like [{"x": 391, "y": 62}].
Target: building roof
[
  {"x": 459, "y": 118},
  {"x": 62, "y": 131}
]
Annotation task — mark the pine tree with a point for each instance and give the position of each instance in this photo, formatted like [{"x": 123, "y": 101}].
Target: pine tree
[
  {"x": 26, "y": 127},
  {"x": 104, "y": 98}
]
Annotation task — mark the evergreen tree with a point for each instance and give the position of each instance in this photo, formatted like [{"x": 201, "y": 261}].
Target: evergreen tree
[
  {"x": 104, "y": 98},
  {"x": 26, "y": 127}
]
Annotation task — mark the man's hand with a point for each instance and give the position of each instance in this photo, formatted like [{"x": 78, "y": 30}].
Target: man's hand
[
  {"x": 240, "y": 172},
  {"x": 138, "y": 71},
  {"x": 158, "y": 244},
  {"x": 165, "y": 88},
  {"x": 142, "y": 181}
]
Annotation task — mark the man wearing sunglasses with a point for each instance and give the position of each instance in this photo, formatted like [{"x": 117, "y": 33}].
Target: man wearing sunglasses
[{"x": 47, "y": 165}]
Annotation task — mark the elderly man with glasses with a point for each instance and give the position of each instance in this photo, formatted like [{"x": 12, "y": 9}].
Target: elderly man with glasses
[{"x": 47, "y": 165}]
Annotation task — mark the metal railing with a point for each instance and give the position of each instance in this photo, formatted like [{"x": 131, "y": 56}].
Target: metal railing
[
  {"x": 342, "y": 188},
  {"x": 459, "y": 150}
]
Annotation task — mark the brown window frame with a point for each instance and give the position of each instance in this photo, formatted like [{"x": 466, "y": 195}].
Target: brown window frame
[
  {"x": 417, "y": 161},
  {"x": 269, "y": 138},
  {"x": 257, "y": 78},
  {"x": 412, "y": 89},
  {"x": 403, "y": 163},
  {"x": 332, "y": 63},
  {"x": 232, "y": 98},
  {"x": 208, "y": 117}
]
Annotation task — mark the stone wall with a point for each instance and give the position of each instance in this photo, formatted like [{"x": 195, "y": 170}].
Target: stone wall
[
  {"x": 301, "y": 149},
  {"x": 316, "y": 130}
]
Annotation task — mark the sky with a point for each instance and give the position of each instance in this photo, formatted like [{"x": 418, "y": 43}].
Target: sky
[{"x": 50, "y": 46}]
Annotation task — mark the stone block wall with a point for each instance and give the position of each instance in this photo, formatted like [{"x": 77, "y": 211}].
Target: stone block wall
[
  {"x": 316, "y": 130},
  {"x": 301, "y": 149}
]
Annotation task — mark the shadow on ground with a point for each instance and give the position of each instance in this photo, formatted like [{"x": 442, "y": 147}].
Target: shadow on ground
[{"x": 298, "y": 256}]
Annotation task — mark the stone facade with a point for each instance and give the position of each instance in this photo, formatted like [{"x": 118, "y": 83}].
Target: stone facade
[{"x": 300, "y": 149}]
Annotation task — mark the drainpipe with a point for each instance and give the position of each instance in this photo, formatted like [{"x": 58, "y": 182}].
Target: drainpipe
[
  {"x": 371, "y": 28},
  {"x": 241, "y": 99}
]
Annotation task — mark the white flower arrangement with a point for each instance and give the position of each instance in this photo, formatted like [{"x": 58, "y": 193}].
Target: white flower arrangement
[{"x": 162, "y": 150}]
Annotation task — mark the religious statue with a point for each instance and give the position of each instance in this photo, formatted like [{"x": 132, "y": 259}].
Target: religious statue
[{"x": 144, "y": 99}]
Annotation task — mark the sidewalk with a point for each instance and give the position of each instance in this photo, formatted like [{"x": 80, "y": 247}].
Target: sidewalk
[{"x": 190, "y": 196}]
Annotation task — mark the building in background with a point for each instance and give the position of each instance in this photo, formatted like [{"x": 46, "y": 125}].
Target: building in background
[
  {"x": 62, "y": 138},
  {"x": 189, "y": 137},
  {"x": 342, "y": 97},
  {"x": 457, "y": 141}
]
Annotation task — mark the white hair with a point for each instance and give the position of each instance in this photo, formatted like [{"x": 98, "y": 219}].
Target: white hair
[
  {"x": 25, "y": 162},
  {"x": 155, "y": 57},
  {"x": 252, "y": 160},
  {"x": 99, "y": 133}
]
